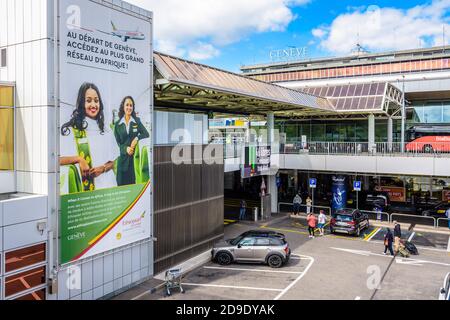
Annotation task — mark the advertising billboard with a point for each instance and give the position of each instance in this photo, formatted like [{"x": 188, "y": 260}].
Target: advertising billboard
[
  {"x": 396, "y": 194},
  {"x": 257, "y": 161},
  {"x": 339, "y": 189},
  {"x": 105, "y": 95}
]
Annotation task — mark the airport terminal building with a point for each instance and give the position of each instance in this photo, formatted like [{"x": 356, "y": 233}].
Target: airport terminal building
[
  {"x": 359, "y": 87},
  {"x": 92, "y": 202}
]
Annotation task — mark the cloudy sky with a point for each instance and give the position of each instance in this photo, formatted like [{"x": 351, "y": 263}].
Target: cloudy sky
[{"x": 231, "y": 33}]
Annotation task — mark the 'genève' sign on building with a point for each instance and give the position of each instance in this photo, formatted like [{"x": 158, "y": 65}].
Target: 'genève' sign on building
[{"x": 289, "y": 54}]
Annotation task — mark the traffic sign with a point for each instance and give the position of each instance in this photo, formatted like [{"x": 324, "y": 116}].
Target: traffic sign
[
  {"x": 357, "y": 185},
  {"x": 313, "y": 183}
]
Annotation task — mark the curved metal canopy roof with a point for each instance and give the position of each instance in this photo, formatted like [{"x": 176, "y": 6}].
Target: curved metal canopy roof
[{"x": 186, "y": 82}]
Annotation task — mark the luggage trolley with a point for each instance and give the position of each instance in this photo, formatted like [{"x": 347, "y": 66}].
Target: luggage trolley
[{"x": 173, "y": 281}]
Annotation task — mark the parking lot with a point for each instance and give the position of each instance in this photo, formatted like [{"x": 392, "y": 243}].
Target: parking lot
[{"x": 331, "y": 267}]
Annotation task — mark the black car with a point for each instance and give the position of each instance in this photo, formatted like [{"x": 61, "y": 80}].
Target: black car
[
  {"x": 349, "y": 221},
  {"x": 422, "y": 205},
  {"x": 438, "y": 211},
  {"x": 370, "y": 200},
  {"x": 377, "y": 201}
]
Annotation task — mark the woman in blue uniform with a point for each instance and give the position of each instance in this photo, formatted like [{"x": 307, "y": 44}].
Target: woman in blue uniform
[{"x": 128, "y": 131}]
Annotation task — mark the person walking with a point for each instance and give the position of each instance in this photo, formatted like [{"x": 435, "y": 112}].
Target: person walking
[
  {"x": 447, "y": 214},
  {"x": 312, "y": 224},
  {"x": 243, "y": 210},
  {"x": 397, "y": 236},
  {"x": 297, "y": 202},
  {"x": 322, "y": 221},
  {"x": 388, "y": 240},
  {"x": 308, "y": 205}
]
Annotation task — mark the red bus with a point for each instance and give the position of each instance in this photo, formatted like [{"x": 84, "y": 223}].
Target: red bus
[{"x": 429, "y": 138}]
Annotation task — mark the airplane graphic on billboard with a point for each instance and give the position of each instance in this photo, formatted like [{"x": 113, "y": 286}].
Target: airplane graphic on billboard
[{"x": 124, "y": 34}]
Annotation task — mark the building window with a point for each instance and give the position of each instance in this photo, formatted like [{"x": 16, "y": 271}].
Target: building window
[
  {"x": 2, "y": 58},
  {"x": 24, "y": 281},
  {"x": 6, "y": 128},
  {"x": 22, "y": 258},
  {"x": 34, "y": 296}
]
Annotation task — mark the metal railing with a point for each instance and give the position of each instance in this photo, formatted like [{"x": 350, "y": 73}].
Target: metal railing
[
  {"x": 435, "y": 149},
  {"x": 373, "y": 215},
  {"x": 416, "y": 219},
  {"x": 438, "y": 222},
  {"x": 385, "y": 216},
  {"x": 315, "y": 209}
]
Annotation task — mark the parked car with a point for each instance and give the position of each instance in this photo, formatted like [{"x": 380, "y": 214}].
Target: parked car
[
  {"x": 370, "y": 200},
  {"x": 377, "y": 200},
  {"x": 349, "y": 221},
  {"x": 253, "y": 247},
  {"x": 422, "y": 205},
  {"x": 444, "y": 293},
  {"x": 438, "y": 211}
]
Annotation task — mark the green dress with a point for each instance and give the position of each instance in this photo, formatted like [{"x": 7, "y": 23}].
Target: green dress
[{"x": 125, "y": 163}]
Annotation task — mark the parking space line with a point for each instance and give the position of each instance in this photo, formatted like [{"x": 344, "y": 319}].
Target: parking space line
[
  {"x": 230, "y": 287},
  {"x": 252, "y": 270},
  {"x": 283, "y": 292},
  {"x": 372, "y": 234},
  {"x": 345, "y": 238},
  {"x": 411, "y": 236},
  {"x": 284, "y": 230}
]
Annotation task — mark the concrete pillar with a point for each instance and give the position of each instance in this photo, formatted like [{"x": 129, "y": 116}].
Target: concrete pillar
[
  {"x": 371, "y": 133},
  {"x": 390, "y": 133},
  {"x": 273, "y": 190},
  {"x": 271, "y": 136}
]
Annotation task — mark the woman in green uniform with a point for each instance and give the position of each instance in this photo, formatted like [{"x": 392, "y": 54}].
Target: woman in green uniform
[
  {"x": 128, "y": 131},
  {"x": 89, "y": 110}
]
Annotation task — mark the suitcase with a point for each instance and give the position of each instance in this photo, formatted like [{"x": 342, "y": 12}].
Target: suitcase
[
  {"x": 411, "y": 248},
  {"x": 403, "y": 252}
]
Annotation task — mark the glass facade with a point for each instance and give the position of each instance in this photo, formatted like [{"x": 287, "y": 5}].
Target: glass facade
[
  {"x": 333, "y": 131},
  {"x": 6, "y": 128},
  {"x": 429, "y": 112}
]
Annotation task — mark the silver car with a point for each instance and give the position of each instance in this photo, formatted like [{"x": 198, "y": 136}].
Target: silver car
[
  {"x": 444, "y": 293},
  {"x": 257, "y": 247}
]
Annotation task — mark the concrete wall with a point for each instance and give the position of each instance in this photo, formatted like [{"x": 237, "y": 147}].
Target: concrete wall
[
  {"x": 19, "y": 219},
  {"x": 188, "y": 207},
  {"x": 25, "y": 31},
  {"x": 166, "y": 123}
]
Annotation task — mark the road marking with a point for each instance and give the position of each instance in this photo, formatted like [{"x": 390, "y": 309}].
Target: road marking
[
  {"x": 326, "y": 224},
  {"x": 284, "y": 230},
  {"x": 358, "y": 298},
  {"x": 230, "y": 287},
  {"x": 411, "y": 236},
  {"x": 448, "y": 247},
  {"x": 358, "y": 252},
  {"x": 372, "y": 234},
  {"x": 400, "y": 261},
  {"x": 418, "y": 247},
  {"x": 410, "y": 263},
  {"x": 252, "y": 270},
  {"x": 343, "y": 237},
  {"x": 298, "y": 279}
]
